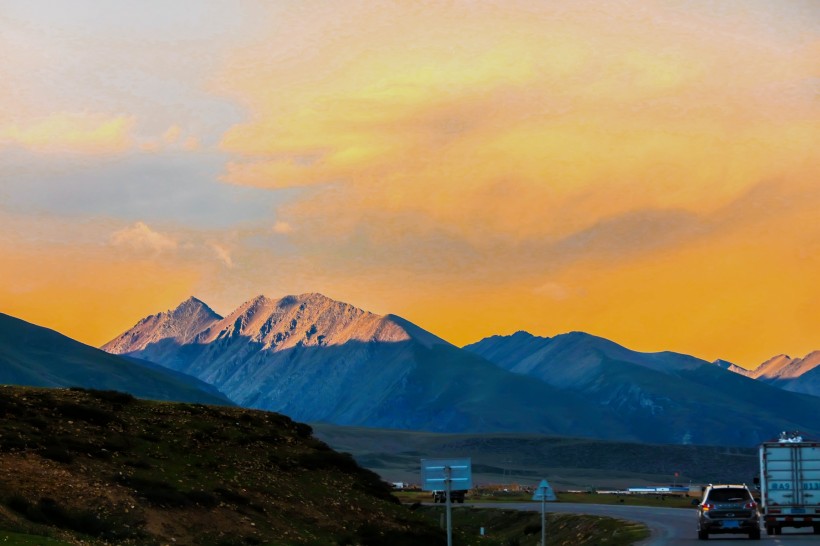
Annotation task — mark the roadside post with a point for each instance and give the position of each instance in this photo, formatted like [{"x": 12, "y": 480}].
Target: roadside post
[
  {"x": 545, "y": 494},
  {"x": 438, "y": 474}
]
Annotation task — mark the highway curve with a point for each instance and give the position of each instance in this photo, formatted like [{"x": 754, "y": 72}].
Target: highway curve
[{"x": 669, "y": 526}]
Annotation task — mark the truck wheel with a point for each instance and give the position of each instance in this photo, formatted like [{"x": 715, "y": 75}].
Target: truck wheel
[
  {"x": 817, "y": 529},
  {"x": 778, "y": 530},
  {"x": 703, "y": 535}
]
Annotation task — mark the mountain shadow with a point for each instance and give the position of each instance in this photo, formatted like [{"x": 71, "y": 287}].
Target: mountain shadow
[{"x": 401, "y": 385}]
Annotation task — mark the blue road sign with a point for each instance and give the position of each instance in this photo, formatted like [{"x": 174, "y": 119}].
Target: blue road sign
[{"x": 435, "y": 472}]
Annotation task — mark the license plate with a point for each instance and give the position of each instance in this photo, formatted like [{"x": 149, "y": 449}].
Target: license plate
[{"x": 731, "y": 524}]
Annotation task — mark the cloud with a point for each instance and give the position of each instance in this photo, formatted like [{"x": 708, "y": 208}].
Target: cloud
[
  {"x": 531, "y": 122},
  {"x": 282, "y": 228},
  {"x": 191, "y": 144},
  {"x": 141, "y": 237},
  {"x": 172, "y": 134},
  {"x": 223, "y": 254},
  {"x": 65, "y": 132},
  {"x": 553, "y": 290},
  {"x": 174, "y": 138}
]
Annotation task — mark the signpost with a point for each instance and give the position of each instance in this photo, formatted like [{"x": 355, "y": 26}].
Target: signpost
[
  {"x": 545, "y": 494},
  {"x": 438, "y": 474}
]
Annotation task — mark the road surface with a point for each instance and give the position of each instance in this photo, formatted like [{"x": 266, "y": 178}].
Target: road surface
[{"x": 669, "y": 526}]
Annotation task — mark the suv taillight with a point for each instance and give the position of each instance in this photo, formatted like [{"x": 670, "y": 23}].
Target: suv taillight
[
  {"x": 750, "y": 505},
  {"x": 708, "y": 506}
]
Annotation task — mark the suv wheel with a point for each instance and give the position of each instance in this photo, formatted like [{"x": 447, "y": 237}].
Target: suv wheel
[
  {"x": 754, "y": 535},
  {"x": 703, "y": 535}
]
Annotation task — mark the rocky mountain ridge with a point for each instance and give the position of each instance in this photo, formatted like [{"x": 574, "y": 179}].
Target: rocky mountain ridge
[{"x": 320, "y": 360}]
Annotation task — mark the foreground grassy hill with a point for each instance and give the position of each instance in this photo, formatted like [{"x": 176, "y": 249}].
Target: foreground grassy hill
[
  {"x": 102, "y": 467},
  {"x": 103, "y": 464}
]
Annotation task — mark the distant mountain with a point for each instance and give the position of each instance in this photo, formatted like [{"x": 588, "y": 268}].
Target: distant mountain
[
  {"x": 35, "y": 356},
  {"x": 726, "y": 365},
  {"x": 783, "y": 367},
  {"x": 694, "y": 400},
  {"x": 793, "y": 374},
  {"x": 320, "y": 360}
]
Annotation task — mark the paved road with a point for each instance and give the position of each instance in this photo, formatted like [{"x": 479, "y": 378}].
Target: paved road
[{"x": 669, "y": 526}]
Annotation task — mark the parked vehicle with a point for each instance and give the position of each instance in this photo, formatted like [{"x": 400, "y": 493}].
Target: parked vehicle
[
  {"x": 455, "y": 496},
  {"x": 728, "y": 509},
  {"x": 790, "y": 483}
]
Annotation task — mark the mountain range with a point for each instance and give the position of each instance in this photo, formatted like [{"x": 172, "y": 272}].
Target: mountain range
[
  {"x": 35, "y": 356},
  {"x": 320, "y": 360},
  {"x": 792, "y": 374}
]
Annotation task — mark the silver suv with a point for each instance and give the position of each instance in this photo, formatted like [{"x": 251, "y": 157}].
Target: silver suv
[{"x": 728, "y": 509}]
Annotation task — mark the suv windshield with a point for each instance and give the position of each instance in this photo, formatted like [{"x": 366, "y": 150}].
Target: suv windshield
[{"x": 729, "y": 495}]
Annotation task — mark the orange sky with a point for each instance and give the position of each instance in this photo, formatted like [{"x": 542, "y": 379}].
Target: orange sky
[{"x": 641, "y": 170}]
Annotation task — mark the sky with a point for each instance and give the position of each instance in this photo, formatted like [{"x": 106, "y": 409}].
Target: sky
[{"x": 642, "y": 170}]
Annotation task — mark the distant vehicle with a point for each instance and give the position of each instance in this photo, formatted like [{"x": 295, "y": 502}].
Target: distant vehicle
[
  {"x": 455, "y": 496},
  {"x": 728, "y": 509},
  {"x": 790, "y": 483}
]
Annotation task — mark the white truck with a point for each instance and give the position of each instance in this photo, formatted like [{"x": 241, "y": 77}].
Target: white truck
[{"x": 790, "y": 483}]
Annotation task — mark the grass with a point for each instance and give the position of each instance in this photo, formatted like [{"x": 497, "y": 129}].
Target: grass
[
  {"x": 19, "y": 539},
  {"x": 669, "y": 501},
  {"x": 518, "y": 528},
  {"x": 101, "y": 467}
]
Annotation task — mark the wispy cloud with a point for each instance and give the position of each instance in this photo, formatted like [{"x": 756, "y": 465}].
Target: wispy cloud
[
  {"x": 282, "y": 228},
  {"x": 141, "y": 237},
  {"x": 542, "y": 123},
  {"x": 222, "y": 253},
  {"x": 63, "y": 132}
]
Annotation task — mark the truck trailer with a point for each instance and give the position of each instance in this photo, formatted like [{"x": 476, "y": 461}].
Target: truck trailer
[{"x": 790, "y": 483}]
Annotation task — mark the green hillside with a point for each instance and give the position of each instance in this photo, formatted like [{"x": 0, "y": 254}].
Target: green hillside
[{"x": 106, "y": 465}]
